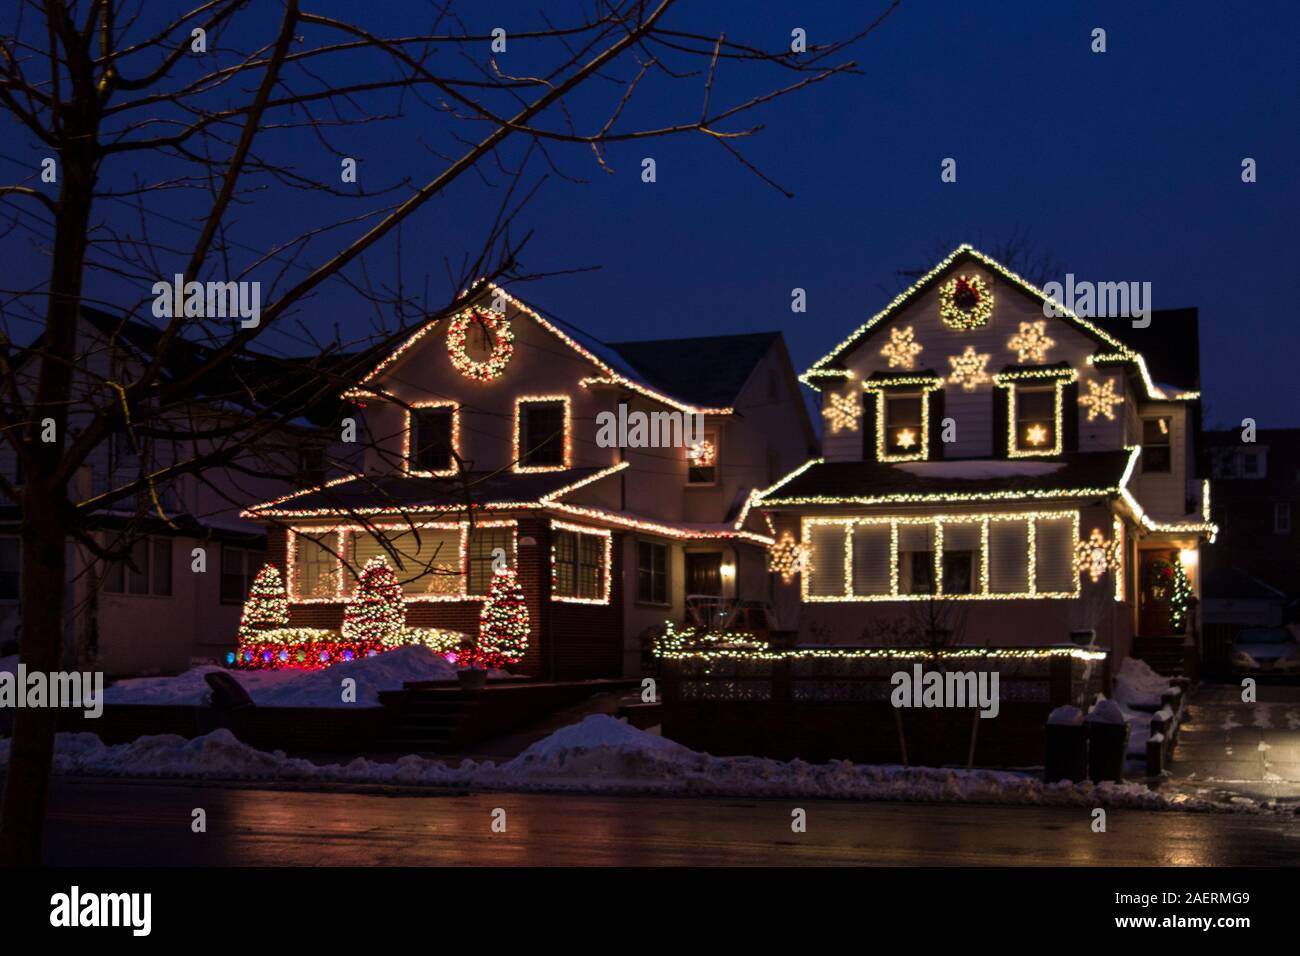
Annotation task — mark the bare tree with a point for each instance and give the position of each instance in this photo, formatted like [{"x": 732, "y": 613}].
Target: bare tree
[
  {"x": 1017, "y": 250},
  {"x": 163, "y": 128}
]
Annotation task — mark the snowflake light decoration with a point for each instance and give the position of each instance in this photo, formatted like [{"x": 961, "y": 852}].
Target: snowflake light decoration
[
  {"x": 842, "y": 412},
  {"x": 1096, "y": 556},
  {"x": 969, "y": 369},
  {"x": 965, "y": 302},
  {"x": 1036, "y": 434},
  {"x": 702, "y": 454},
  {"x": 1101, "y": 399},
  {"x": 906, "y": 438},
  {"x": 902, "y": 349},
  {"x": 788, "y": 558},
  {"x": 1031, "y": 342}
]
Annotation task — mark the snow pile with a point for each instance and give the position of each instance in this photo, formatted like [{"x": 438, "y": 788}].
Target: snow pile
[
  {"x": 600, "y": 754},
  {"x": 1137, "y": 685},
  {"x": 1065, "y": 714},
  {"x": 1106, "y": 711},
  {"x": 294, "y": 688}
]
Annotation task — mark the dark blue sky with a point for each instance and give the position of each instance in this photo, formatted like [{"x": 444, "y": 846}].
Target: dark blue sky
[{"x": 1120, "y": 166}]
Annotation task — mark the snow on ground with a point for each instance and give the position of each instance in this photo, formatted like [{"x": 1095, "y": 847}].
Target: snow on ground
[
  {"x": 291, "y": 687},
  {"x": 1137, "y": 685},
  {"x": 600, "y": 754}
]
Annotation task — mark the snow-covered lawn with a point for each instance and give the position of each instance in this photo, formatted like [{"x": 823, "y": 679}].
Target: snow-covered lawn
[
  {"x": 294, "y": 688},
  {"x": 600, "y": 754}
]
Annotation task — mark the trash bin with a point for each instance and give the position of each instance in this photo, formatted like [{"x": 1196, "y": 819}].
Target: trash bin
[
  {"x": 1107, "y": 742},
  {"x": 1066, "y": 746}
]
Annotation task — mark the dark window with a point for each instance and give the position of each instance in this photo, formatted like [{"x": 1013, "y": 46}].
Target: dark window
[
  {"x": 10, "y": 560},
  {"x": 651, "y": 572},
  {"x": 922, "y": 577},
  {"x": 238, "y": 568},
  {"x": 903, "y": 425},
  {"x": 1282, "y": 517},
  {"x": 1156, "y": 455},
  {"x": 152, "y": 573},
  {"x": 958, "y": 577},
  {"x": 580, "y": 570},
  {"x": 1250, "y": 464},
  {"x": 431, "y": 439},
  {"x": 541, "y": 434},
  {"x": 482, "y": 542},
  {"x": 311, "y": 465},
  {"x": 1035, "y": 419}
]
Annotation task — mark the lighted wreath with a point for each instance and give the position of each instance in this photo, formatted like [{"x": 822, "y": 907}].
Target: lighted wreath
[
  {"x": 965, "y": 302},
  {"x": 497, "y": 326}
]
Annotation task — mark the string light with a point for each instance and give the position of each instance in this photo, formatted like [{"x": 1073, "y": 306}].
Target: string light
[
  {"x": 519, "y": 467},
  {"x": 1101, "y": 399},
  {"x": 881, "y": 653},
  {"x": 1117, "y": 525},
  {"x": 1031, "y": 342},
  {"x": 494, "y": 324},
  {"x": 894, "y": 523},
  {"x": 1037, "y": 433},
  {"x": 965, "y": 302},
  {"x": 312, "y": 648},
  {"x": 902, "y": 348},
  {"x": 1096, "y": 556},
  {"x": 787, "y": 558},
  {"x": 605, "y": 564},
  {"x": 266, "y": 606},
  {"x": 376, "y": 612},
  {"x": 969, "y": 369},
  {"x": 842, "y": 412},
  {"x": 905, "y": 438},
  {"x": 503, "y": 622},
  {"x": 702, "y": 454},
  {"x": 408, "y": 443}
]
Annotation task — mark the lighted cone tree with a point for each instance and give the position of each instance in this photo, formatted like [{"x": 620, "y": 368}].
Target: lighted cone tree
[
  {"x": 266, "y": 605},
  {"x": 376, "y": 613},
  {"x": 503, "y": 622}
]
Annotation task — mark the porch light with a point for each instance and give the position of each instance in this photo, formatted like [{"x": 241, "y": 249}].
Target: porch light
[
  {"x": 728, "y": 570},
  {"x": 1189, "y": 557}
]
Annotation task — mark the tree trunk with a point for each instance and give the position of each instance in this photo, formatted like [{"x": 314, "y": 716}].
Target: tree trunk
[
  {"x": 31, "y": 754},
  {"x": 47, "y": 514}
]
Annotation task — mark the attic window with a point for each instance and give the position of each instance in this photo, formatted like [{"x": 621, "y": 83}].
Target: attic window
[
  {"x": 542, "y": 434},
  {"x": 431, "y": 440},
  {"x": 1156, "y": 455},
  {"x": 1036, "y": 419}
]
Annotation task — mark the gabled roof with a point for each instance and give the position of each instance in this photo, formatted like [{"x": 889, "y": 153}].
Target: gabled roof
[
  {"x": 831, "y": 364},
  {"x": 710, "y": 370},
  {"x": 609, "y": 369},
  {"x": 1073, "y": 475}
]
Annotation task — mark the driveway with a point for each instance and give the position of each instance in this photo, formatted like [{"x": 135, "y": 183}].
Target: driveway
[{"x": 1229, "y": 749}]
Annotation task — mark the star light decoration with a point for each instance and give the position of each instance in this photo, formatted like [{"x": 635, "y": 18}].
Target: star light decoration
[
  {"x": 902, "y": 349},
  {"x": 1031, "y": 342},
  {"x": 969, "y": 369},
  {"x": 1101, "y": 399},
  {"x": 906, "y": 438},
  {"x": 842, "y": 413},
  {"x": 787, "y": 558},
  {"x": 1096, "y": 556},
  {"x": 1036, "y": 434}
]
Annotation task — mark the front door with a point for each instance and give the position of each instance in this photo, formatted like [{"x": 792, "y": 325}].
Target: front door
[
  {"x": 1155, "y": 593},
  {"x": 704, "y": 573}
]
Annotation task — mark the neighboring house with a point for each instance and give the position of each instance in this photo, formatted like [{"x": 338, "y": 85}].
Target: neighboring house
[
  {"x": 486, "y": 445},
  {"x": 1257, "y": 496},
  {"x": 161, "y": 614},
  {"x": 978, "y": 451}
]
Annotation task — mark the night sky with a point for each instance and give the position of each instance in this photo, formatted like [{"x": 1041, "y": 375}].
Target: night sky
[{"x": 1119, "y": 166}]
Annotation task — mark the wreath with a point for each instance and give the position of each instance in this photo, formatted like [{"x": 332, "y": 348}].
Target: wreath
[
  {"x": 965, "y": 302},
  {"x": 503, "y": 337}
]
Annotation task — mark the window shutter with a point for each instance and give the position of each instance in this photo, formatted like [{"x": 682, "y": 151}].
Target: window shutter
[
  {"x": 1000, "y": 442},
  {"x": 1008, "y": 557},
  {"x": 1070, "y": 416},
  {"x": 936, "y": 423},
  {"x": 872, "y": 408},
  {"x": 827, "y": 544},
  {"x": 871, "y": 559}
]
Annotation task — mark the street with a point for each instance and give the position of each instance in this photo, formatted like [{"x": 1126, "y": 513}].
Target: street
[{"x": 100, "y": 822}]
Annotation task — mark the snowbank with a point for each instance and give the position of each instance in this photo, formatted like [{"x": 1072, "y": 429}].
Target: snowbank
[
  {"x": 294, "y": 688},
  {"x": 600, "y": 754},
  {"x": 1137, "y": 685}
]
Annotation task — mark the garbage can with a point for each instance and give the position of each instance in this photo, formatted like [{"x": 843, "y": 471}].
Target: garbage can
[
  {"x": 1065, "y": 749},
  {"x": 1107, "y": 742}
]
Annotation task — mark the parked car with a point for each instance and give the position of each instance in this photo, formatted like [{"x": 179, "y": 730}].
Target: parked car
[{"x": 1266, "y": 650}]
